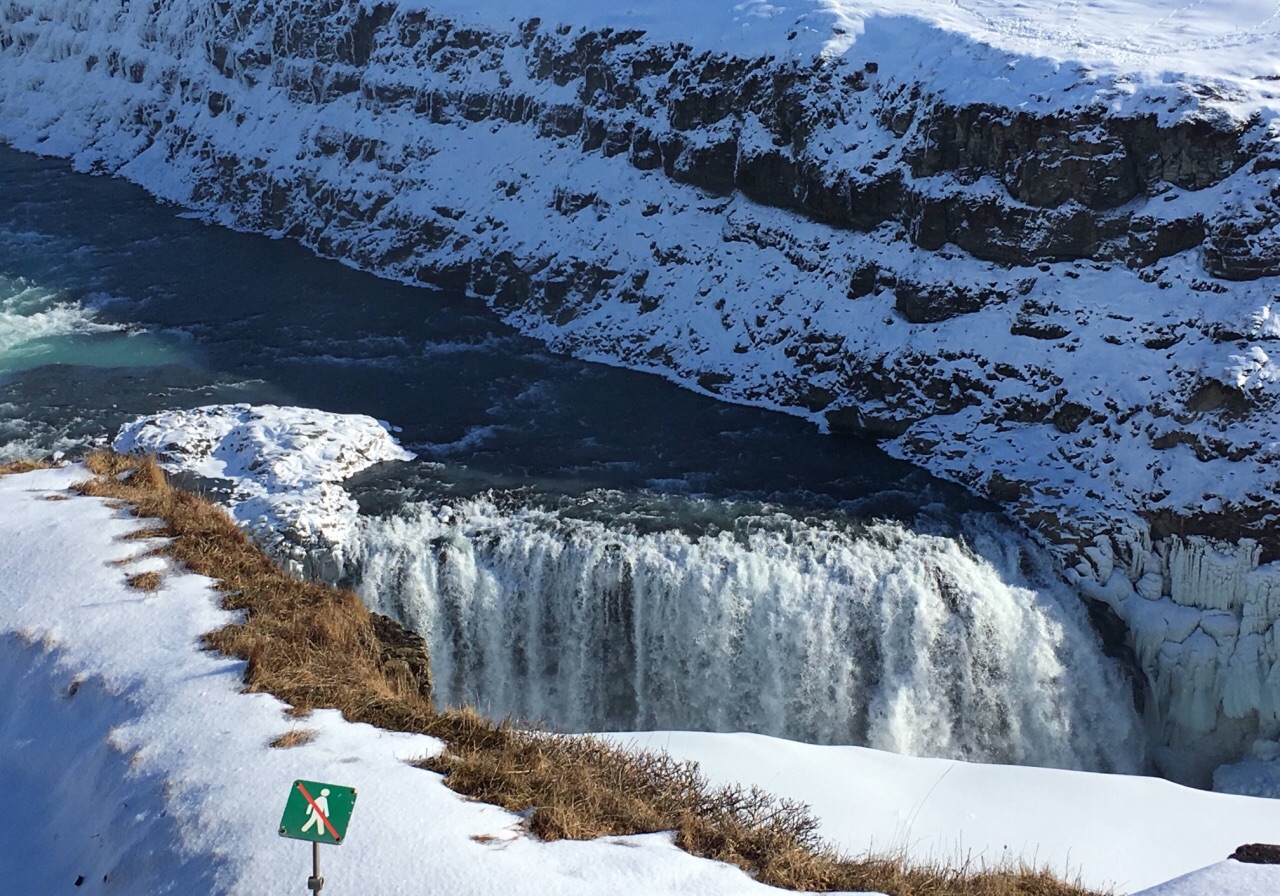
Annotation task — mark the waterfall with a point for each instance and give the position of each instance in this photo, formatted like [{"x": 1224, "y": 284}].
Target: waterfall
[{"x": 824, "y": 632}]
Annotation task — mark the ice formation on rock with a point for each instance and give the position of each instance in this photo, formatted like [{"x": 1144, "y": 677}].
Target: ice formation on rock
[{"x": 1203, "y": 621}]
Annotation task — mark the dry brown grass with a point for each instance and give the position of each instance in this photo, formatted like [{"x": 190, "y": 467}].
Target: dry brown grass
[
  {"x": 23, "y": 466},
  {"x": 145, "y": 581},
  {"x": 315, "y": 647},
  {"x": 294, "y": 737},
  {"x": 309, "y": 644},
  {"x": 580, "y": 787}
]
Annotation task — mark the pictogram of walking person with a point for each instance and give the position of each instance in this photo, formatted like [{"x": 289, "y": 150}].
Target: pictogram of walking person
[{"x": 317, "y": 817}]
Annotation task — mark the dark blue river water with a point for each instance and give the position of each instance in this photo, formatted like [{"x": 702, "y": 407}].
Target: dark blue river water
[{"x": 112, "y": 305}]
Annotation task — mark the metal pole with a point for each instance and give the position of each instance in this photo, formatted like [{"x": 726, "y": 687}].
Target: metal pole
[{"x": 315, "y": 881}]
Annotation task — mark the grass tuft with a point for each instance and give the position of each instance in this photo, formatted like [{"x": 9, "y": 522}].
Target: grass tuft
[
  {"x": 316, "y": 646},
  {"x": 23, "y": 466},
  {"x": 294, "y": 737},
  {"x": 145, "y": 581}
]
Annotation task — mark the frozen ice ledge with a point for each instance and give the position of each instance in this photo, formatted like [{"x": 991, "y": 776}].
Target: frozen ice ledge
[{"x": 1046, "y": 275}]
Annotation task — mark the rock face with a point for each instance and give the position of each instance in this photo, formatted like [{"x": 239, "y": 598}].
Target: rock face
[
  {"x": 403, "y": 655},
  {"x": 1258, "y": 854},
  {"x": 1063, "y": 303}
]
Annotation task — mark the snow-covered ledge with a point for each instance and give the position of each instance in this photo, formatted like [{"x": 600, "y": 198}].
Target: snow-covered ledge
[{"x": 283, "y": 468}]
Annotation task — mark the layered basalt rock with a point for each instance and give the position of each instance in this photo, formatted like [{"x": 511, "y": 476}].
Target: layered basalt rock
[{"x": 764, "y": 129}]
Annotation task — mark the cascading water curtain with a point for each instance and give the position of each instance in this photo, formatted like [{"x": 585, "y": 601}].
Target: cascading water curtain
[{"x": 872, "y": 635}]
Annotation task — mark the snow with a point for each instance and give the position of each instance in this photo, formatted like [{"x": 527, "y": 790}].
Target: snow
[
  {"x": 1228, "y": 877},
  {"x": 131, "y": 759},
  {"x": 1111, "y": 830},
  {"x": 1053, "y": 54},
  {"x": 284, "y": 467},
  {"x": 746, "y": 291}
]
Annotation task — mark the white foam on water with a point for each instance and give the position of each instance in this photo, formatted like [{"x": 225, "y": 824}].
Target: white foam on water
[{"x": 33, "y": 319}]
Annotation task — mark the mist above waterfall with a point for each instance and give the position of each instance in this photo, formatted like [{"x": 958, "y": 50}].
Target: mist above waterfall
[{"x": 816, "y": 630}]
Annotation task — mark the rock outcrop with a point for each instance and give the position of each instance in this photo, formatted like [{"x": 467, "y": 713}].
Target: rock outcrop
[
  {"x": 1065, "y": 304},
  {"x": 279, "y": 471}
]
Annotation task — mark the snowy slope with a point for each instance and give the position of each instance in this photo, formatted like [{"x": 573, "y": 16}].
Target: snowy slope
[
  {"x": 139, "y": 767},
  {"x": 1125, "y": 832},
  {"x": 1033, "y": 245},
  {"x": 144, "y": 770},
  {"x": 1122, "y": 51}
]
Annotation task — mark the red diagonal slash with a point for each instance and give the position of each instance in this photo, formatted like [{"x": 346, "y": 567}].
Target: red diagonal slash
[{"x": 316, "y": 809}]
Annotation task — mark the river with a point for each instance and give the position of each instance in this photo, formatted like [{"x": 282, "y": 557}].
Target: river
[{"x": 585, "y": 545}]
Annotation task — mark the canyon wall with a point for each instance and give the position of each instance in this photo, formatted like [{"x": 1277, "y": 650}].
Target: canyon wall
[{"x": 1064, "y": 302}]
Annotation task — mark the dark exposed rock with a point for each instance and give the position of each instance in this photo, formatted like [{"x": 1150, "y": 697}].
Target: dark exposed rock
[
  {"x": 1039, "y": 330},
  {"x": 1213, "y": 395},
  {"x": 1236, "y": 522},
  {"x": 862, "y": 280},
  {"x": 568, "y": 202},
  {"x": 1033, "y": 321},
  {"x": 1003, "y": 490},
  {"x": 1098, "y": 160},
  {"x": 927, "y": 303},
  {"x": 1257, "y": 854},
  {"x": 1116, "y": 644},
  {"x": 1247, "y": 248},
  {"x": 852, "y": 421},
  {"x": 403, "y": 655},
  {"x": 1168, "y": 440},
  {"x": 1069, "y": 416}
]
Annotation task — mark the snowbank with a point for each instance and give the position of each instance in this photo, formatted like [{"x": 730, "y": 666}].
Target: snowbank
[
  {"x": 140, "y": 767},
  {"x": 1127, "y": 832}
]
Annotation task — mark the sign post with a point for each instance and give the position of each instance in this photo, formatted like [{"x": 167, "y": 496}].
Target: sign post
[{"x": 319, "y": 813}]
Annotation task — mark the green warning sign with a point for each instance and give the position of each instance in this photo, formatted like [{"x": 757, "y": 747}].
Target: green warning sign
[{"x": 317, "y": 812}]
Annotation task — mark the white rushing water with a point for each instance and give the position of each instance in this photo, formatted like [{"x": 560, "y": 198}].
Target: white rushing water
[
  {"x": 879, "y": 636},
  {"x": 42, "y": 323},
  {"x": 35, "y": 322}
]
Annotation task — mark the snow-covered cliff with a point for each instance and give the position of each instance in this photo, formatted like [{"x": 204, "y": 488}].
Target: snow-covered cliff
[{"x": 1033, "y": 250}]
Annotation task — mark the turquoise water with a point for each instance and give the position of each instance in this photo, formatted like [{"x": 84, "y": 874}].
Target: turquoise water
[{"x": 42, "y": 325}]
